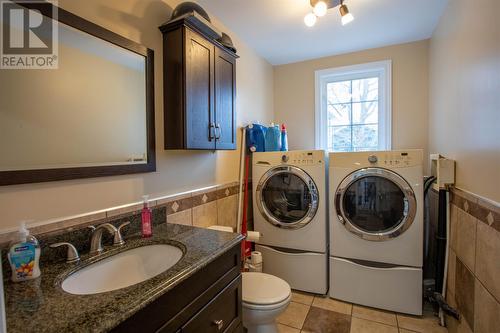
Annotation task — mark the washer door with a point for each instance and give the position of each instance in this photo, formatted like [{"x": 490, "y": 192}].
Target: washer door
[
  {"x": 287, "y": 197},
  {"x": 375, "y": 204}
]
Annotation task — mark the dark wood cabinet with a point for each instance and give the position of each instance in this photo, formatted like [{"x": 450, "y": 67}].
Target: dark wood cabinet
[
  {"x": 199, "y": 82},
  {"x": 208, "y": 301}
]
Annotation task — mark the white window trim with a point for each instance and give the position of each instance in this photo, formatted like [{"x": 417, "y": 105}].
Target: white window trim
[{"x": 384, "y": 71}]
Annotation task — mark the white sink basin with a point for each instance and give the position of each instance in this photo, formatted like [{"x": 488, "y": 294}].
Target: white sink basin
[{"x": 122, "y": 270}]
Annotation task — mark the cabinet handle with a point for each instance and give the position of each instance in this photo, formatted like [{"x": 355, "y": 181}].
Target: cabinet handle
[
  {"x": 217, "y": 129},
  {"x": 219, "y": 323},
  {"x": 210, "y": 127}
]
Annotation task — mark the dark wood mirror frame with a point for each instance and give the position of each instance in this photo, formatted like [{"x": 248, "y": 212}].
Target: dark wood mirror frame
[{"x": 46, "y": 175}]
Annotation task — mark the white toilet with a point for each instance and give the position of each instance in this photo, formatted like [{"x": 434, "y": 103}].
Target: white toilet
[{"x": 264, "y": 298}]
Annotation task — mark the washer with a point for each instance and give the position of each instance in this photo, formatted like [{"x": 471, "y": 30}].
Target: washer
[
  {"x": 376, "y": 229},
  {"x": 289, "y": 204}
]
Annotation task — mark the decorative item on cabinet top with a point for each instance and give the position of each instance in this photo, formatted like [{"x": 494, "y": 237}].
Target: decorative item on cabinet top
[{"x": 199, "y": 87}]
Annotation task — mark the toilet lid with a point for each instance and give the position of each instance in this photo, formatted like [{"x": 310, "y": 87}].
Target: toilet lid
[{"x": 264, "y": 289}]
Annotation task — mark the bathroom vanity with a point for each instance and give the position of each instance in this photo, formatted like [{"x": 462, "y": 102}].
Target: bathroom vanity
[{"x": 199, "y": 293}]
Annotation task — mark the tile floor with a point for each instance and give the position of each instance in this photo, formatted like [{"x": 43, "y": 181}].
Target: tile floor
[{"x": 309, "y": 313}]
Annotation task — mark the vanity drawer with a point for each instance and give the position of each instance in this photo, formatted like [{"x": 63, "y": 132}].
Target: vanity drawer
[{"x": 222, "y": 314}]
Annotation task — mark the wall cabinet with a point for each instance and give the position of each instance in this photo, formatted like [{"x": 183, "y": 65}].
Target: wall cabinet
[{"x": 199, "y": 80}]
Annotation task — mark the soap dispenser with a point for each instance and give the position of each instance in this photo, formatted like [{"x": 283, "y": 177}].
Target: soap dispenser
[{"x": 24, "y": 256}]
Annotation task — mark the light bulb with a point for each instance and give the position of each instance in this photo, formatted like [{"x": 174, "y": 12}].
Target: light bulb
[
  {"x": 310, "y": 19},
  {"x": 347, "y": 18},
  {"x": 320, "y": 9}
]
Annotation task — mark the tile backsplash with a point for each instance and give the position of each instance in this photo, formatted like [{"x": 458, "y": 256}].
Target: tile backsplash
[
  {"x": 473, "y": 284},
  {"x": 215, "y": 205}
]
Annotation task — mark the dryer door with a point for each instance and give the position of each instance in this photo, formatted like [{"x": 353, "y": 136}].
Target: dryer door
[
  {"x": 287, "y": 197},
  {"x": 375, "y": 204}
]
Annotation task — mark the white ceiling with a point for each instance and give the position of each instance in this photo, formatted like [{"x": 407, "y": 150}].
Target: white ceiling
[{"x": 276, "y": 30}]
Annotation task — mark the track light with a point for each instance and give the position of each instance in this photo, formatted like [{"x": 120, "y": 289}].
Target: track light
[
  {"x": 310, "y": 19},
  {"x": 344, "y": 12},
  {"x": 320, "y": 9}
]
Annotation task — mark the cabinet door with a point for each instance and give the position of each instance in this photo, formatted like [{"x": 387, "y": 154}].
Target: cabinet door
[
  {"x": 225, "y": 95},
  {"x": 199, "y": 92},
  {"x": 222, "y": 314}
]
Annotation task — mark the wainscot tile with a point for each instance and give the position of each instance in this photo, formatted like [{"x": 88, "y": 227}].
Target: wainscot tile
[
  {"x": 453, "y": 226},
  {"x": 169, "y": 199},
  {"x": 177, "y": 206},
  {"x": 205, "y": 215},
  {"x": 204, "y": 196},
  {"x": 325, "y": 321},
  {"x": 487, "y": 311},
  {"x": 466, "y": 239},
  {"x": 451, "y": 271},
  {"x": 464, "y": 291},
  {"x": 227, "y": 211},
  {"x": 488, "y": 258},
  {"x": 184, "y": 217},
  {"x": 463, "y": 195}
]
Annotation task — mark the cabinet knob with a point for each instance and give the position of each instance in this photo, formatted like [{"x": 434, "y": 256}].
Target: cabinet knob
[{"x": 219, "y": 323}]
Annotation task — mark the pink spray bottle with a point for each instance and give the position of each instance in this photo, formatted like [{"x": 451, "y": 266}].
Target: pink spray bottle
[{"x": 147, "y": 229}]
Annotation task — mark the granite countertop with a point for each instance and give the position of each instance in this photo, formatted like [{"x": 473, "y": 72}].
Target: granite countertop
[{"x": 42, "y": 306}]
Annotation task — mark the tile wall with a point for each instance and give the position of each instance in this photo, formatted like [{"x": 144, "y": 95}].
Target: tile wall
[
  {"x": 473, "y": 284},
  {"x": 215, "y": 205}
]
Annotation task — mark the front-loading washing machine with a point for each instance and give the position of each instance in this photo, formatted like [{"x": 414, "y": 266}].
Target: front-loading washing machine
[
  {"x": 289, "y": 203},
  {"x": 376, "y": 229}
]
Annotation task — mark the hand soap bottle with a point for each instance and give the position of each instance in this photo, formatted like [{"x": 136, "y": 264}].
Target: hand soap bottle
[
  {"x": 24, "y": 256},
  {"x": 146, "y": 218}
]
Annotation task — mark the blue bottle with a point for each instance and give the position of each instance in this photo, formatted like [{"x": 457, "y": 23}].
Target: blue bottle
[
  {"x": 284, "y": 138},
  {"x": 255, "y": 137},
  {"x": 273, "y": 138}
]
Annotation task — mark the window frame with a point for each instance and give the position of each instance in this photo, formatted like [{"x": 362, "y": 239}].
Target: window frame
[{"x": 380, "y": 69}]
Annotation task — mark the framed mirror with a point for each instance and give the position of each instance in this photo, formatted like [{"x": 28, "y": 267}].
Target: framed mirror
[{"x": 91, "y": 116}]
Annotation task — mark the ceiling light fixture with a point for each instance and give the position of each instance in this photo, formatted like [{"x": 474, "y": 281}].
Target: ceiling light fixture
[{"x": 320, "y": 8}]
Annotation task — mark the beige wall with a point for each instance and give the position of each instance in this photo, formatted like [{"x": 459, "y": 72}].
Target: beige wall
[
  {"x": 176, "y": 171},
  {"x": 294, "y": 93},
  {"x": 464, "y": 116}
]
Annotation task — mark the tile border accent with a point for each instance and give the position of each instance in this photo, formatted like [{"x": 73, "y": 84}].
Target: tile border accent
[
  {"x": 482, "y": 209},
  {"x": 174, "y": 203}
]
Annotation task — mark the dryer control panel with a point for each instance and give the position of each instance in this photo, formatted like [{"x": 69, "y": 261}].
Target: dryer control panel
[
  {"x": 297, "y": 157},
  {"x": 303, "y": 158},
  {"x": 383, "y": 159}
]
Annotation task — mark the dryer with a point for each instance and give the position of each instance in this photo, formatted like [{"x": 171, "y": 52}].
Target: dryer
[
  {"x": 289, "y": 203},
  {"x": 376, "y": 229}
]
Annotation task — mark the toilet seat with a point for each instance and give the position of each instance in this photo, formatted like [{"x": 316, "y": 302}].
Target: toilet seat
[{"x": 262, "y": 291}]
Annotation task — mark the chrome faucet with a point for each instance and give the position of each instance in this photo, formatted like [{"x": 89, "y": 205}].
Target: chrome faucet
[{"x": 96, "y": 238}]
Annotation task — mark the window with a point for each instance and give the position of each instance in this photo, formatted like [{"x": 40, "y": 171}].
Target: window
[{"x": 353, "y": 107}]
